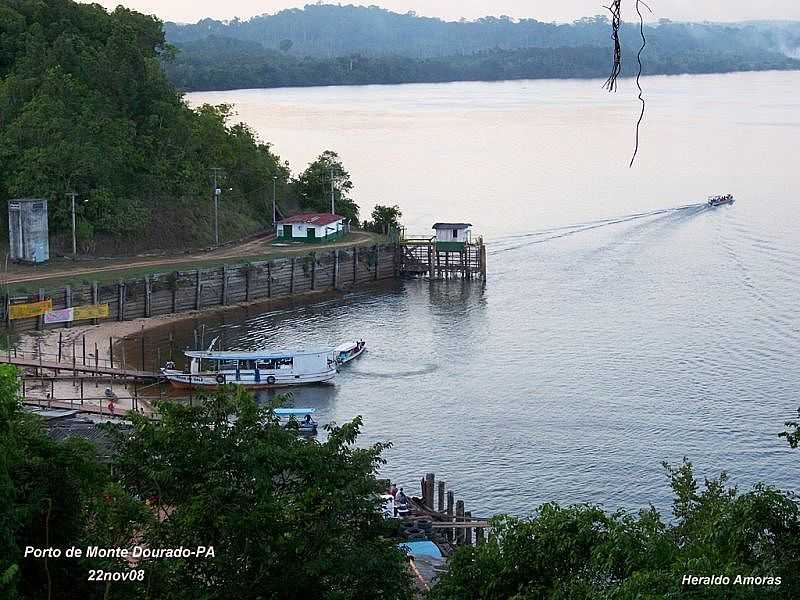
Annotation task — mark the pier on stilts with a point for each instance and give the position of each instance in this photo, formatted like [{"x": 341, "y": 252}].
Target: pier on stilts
[
  {"x": 437, "y": 516},
  {"x": 69, "y": 378},
  {"x": 450, "y": 253}
]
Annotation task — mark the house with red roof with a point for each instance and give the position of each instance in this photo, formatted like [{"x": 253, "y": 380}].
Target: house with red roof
[{"x": 312, "y": 227}]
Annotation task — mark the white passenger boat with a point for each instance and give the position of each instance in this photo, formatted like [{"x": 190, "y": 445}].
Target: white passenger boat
[
  {"x": 720, "y": 200},
  {"x": 347, "y": 352},
  {"x": 208, "y": 368}
]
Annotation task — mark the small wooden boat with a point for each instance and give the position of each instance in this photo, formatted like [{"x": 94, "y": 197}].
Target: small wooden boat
[
  {"x": 306, "y": 425},
  {"x": 347, "y": 352},
  {"x": 720, "y": 200},
  {"x": 208, "y": 369}
]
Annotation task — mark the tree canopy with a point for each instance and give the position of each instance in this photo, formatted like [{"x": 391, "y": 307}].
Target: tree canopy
[
  {"x": 325, "y": 30},
  {"x": 325, "y": 44},
  {"x": 583, "y": 552},
  {"x": 314, "y": 185},
  {"x": 289, "y": 518},
  {"x": 85, "y": 107}
]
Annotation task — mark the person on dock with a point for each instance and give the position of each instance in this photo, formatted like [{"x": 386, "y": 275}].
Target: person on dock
[
  {"x": 401, "y": 499},
  {"x": 393, "y": 491}
]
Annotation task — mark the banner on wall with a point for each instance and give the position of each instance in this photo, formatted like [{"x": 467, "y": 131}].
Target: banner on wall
[
  {"x": 91, "y": 311},
  {"x": 63, "y": 315},
  {"x": 32, "y": 309},
  {"x": 77, "y": 313}
]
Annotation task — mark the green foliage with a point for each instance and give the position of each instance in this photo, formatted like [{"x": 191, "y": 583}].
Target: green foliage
[
  {"x": 288, "y": 517},
  {"x": 583, "y": 552},
  {"x": 323, "y": 30},
  {"x": 86, "y": 107},
  {"x": 792, "y": 432},
  {"x": 384, "y": 219},
  {"x": 354, "y": 45},
  {"x": 313, "y": 187},
  {"x": 49, "y": 492}
]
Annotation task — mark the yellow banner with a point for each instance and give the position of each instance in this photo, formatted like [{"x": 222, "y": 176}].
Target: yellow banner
[
  {"x": 90, "y": 311},
  {"x": 33, "y": 309}
]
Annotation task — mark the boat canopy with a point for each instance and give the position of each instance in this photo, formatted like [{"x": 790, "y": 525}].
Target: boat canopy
[
  {"x": 346, "y": 347},
  {"x": 234, "y": 355},
  {"x": 292, "y": 412}
]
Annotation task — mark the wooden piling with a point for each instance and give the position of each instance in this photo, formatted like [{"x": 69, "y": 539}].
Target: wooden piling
[
  {"x": 198, "y": 289},
  {"x": 459, "y": 519},
  {"x": 40, "y": 318},
  {"x": 450, "y": 502},
  {"x": 120, "y": 301},
  {"x": 224, "y": 300},
  {"x": 95, "y": 299},
  {"x": 468, "y": 530},
  {"x": 335, "y": 269},
  {"x": 68, "y": 302},
  {"x": 291, "y": 278},
  {"x": 355, "y": 265},
  {"x": 147, "y": 294},
  {"x": 440, "y": 498},
  {"x": 247, "y": 276},
  {"x": 430, "y": 479},
  {"x": 313, "y": 270}
]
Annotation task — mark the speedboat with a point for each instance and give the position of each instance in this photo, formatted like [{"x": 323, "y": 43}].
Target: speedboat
[
  {"x": 720, "y": 200},
  {"x": 209, "y": 369},
  {"x": 347, "y": 352}
]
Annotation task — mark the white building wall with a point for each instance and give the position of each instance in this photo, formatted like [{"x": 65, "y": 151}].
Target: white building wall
[{"x": 446, "y": 235}]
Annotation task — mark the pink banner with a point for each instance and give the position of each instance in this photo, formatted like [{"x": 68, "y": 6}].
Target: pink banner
[{"x": 63, "y": 315}]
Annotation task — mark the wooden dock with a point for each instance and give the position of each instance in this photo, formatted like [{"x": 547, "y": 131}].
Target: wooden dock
[
  {"x": 425, "y": 257},
  {"x": 436, "y": 515},
  {"x": 76, "y": 367}
]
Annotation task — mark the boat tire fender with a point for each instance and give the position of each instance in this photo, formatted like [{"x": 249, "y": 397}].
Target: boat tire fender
[
  {"x": 271, "y": 380},
  {"x": 220, "y": 378}
]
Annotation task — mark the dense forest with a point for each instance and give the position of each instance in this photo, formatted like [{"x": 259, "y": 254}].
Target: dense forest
[
  {"x": 297, "y": 519},
  {"x": 343, "y": 45},
  {"x": 85, "y": 107},
  {"x": 329, "y": 30},
  {"x": 217, "y": 63}
]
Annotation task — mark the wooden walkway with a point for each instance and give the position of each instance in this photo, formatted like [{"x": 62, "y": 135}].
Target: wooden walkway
[{"x": 31, "y": 363}]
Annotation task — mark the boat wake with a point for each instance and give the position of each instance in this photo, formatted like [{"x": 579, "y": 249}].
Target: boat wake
[
  {"x": 521, "y": 240},
  {"x": 429, "y": 368}
]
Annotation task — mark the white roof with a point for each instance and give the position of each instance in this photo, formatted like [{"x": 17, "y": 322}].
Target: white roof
[
  {"x": 260, "y": 354},
  {"x": 346, "y": 346}
]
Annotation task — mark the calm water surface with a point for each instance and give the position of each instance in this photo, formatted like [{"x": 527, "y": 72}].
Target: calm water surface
[{"x": 598, "y": 347}]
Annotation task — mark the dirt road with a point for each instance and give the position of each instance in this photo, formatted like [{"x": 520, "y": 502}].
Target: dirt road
[{"x": 261, "y": 247}]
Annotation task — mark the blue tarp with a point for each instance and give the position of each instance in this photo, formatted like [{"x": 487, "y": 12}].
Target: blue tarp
[{"x": 423, "y": 548}]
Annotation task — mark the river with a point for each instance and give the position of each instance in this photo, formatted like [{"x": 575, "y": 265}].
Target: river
[{"x": 600, "y": 345}]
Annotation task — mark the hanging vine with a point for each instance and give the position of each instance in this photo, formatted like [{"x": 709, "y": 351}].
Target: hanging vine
[{"x": 611, "y": 83}]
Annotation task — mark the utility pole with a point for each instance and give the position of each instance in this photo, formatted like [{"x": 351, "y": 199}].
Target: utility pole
[
  {"x": 217, "y": 191},
  {"x": 274, "y": 210},
  {"x": 74, "y": 236},
  {"x": 333, "y": 208}
]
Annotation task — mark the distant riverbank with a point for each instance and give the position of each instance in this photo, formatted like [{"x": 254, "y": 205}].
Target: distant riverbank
[{"x": 217, "y": 64}]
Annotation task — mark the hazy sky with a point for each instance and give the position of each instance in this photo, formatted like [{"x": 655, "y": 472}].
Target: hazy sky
[{"x": 550, "y": 10}]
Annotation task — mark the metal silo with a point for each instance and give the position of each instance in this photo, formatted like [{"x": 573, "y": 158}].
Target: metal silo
[{"x": 28, "y": 235}]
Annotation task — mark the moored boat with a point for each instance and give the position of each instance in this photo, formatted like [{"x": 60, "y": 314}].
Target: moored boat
[
  {"x": 208, "y": 368},
  {"x": 720, "y": 200},
  {"x": 347, "y": 352},
  {"x": 306, "y": 425}
]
